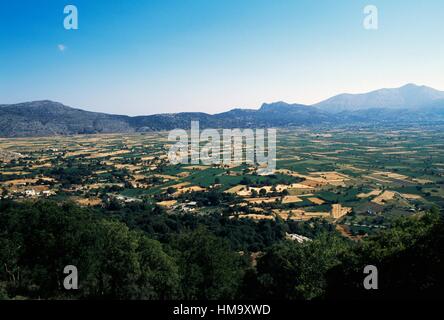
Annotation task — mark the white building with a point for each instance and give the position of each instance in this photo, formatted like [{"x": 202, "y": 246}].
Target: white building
[{"x": 296, "y": 237}]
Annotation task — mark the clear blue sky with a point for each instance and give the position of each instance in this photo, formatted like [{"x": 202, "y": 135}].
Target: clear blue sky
[{"x": 145, "y": 57}]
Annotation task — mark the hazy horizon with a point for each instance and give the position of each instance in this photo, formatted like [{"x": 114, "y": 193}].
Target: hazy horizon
[
  {"x": 91, "y": 108},
  {"x": 201, "y": 56}
]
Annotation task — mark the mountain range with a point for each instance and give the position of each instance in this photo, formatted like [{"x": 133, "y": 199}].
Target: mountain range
[{"x": 409, "y": 103}]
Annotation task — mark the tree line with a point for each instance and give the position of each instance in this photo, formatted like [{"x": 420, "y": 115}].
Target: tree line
[{"x": 122, "y": 256}]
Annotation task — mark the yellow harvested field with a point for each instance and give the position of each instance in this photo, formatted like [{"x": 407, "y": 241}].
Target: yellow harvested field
[
  {"x": 353, "y": 168},
  {"x": 102, "y": 185},
  {"x": 316, "y": 200},
  {"x": 261, "y": 200},
  {"x": 369, "y": 194},
  {"x": 101, "y": 172},
  {"x": 393, "y": 175},
  {"x": 45, "y": 165},
  {"x": 268, "y": 189},
  {"x": 317, "y": 179},
  {"x": 385, "y": 196},
  {"x": 196, "y": 167},
  {"x": 8, "y": 173},
  {"x": 299, "y": 214},
  {"x": 422, "y": 181},
  {"x": 313, "y": 183},
  {"x": 377, "y": 179},
  {"x": 184, "y": 174},
  {"x": 88, "y": 201},
  {"x": 337, "y": 183},
  {"x": 331, "y": 175},
  {"x": 236, "y": 189},
  {"x": 293, "y": 186},
  {"x": 167, "y": 204},
  {"x": 139, "y": 176},
  {"x": 338, "y": 211},
  {"x": 189, "y": 189},
  {"x": 79, "y": 153},
  {"x": 411, "y": 196},
  {"x": 177, "y": 186},
  {"x": 24, "y": 188},
  {"x": 167, "y": 177},
  {"x": 291, "y": 199},
  {"x": 25, "y": 181}
]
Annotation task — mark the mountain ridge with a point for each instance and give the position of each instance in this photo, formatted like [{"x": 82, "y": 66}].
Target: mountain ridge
[
  {"x": 407, "y": 96},
  {"x": 46, "y": 118}
]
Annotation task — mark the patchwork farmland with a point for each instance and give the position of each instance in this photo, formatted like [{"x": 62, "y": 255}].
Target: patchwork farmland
[{"x": 357, "y": 179}]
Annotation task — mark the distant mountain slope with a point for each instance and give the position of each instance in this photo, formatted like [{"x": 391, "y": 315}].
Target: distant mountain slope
[
  {"x": 408, "y": 96},
  {"x": 45, "y": 118},
  {"x": 278, "y": 114},
  {"x": 41, "y": 118}
]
